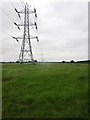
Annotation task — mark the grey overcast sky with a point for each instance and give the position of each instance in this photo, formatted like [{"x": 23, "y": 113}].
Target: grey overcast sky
[{"x": 62, "y": 30}]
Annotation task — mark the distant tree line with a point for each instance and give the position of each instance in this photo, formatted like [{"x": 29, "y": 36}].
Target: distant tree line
[
  {"x": 19, "y": 61},
  {"x": 72, "y": 61}
]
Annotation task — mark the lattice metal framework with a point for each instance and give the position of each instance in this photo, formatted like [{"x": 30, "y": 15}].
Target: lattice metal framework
[{"x": 26, "y": 53}]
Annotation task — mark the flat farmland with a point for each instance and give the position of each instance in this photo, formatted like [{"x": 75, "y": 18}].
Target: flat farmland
[{"x": 45, "y": 90}]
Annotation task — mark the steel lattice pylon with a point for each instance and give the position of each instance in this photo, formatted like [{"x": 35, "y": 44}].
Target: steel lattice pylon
[{"x": 26, "y": 48}]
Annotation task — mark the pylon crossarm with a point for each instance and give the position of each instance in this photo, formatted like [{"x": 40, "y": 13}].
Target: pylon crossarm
[
  {"x": 32, "y": 37},
  {"x": 16, "y": 25},
  {"x": 17, "y": 13},
  {"x": 30, "y": 12},
  {"x": 22, "y": 12},
  {"x": 22, "y": 24},
  {"x": 15, "y": 39}
]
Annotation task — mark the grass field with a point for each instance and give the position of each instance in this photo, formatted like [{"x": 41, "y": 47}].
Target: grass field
[{"x": 50, "y": 90}]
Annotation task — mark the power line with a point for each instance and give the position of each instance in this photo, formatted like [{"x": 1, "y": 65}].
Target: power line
[
  {"x": 6, "y": 14},
  {"x": 9, "y": 17},
  {"x": 8, "y": 34},
  {"x": 12, "y": 4},
  {"x": 22, "y": 3},
  {"x": 5, "y": 33}
]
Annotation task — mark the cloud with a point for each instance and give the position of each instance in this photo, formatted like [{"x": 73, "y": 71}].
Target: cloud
[{"x": 63, "y": 31}]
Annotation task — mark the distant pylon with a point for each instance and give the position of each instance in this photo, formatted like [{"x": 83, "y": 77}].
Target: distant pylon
[{"x": 26, "y": 48}]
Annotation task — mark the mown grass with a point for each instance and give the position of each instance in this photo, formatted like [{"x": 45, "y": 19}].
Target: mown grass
[{"x": 50, "y": 90}]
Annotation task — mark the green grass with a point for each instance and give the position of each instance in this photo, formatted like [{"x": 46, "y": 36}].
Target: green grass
[{"x": 50, "y": 90}]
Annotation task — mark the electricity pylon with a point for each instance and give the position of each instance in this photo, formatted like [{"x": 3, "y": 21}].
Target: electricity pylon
[{"x": 26, "y": 48}]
